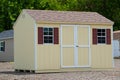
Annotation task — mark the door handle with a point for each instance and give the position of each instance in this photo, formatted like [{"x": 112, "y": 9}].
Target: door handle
[{"x": 77, "y": 46}]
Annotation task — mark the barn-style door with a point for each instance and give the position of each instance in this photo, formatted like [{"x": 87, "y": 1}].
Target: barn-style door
[{"x": 75, "y": 46}]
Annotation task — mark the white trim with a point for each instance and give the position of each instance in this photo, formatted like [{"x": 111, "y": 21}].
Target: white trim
[
  {"x": 47, "y": 43},
  {"x": 75, "y": 44},
  {"x": 35, "y": 46},
  {"x": 75, "y": 66},
  {"x": 68, "y": 25},
  {"x": 90, "y": 55},
  {"x": 113, "y": 63},
  {"x": 61, "y": 56}
]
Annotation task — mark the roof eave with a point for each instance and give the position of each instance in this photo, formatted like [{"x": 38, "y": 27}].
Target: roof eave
[
  {"x": 83, "y": 23},
  {"x": 6, "y": 38}
]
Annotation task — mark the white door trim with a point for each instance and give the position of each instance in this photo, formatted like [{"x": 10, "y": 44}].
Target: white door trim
[
  {"x": 74, "y": 46},
  {"x": 75, "y": 49}
]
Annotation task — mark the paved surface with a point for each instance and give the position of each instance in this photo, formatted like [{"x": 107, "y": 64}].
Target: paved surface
[{"x": 7, "y": 73}]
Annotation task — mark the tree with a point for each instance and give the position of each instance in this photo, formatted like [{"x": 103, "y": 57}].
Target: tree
[{"x": 10, "y": 9}]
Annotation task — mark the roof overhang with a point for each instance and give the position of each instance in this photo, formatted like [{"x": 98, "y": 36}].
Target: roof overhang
[
  {"x": 6, "y": 38},
  {"x": 82, "y": 23}
]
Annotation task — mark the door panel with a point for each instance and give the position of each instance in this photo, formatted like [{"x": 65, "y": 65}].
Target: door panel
[
  {"x": 83, "y": 57},
  {"x": 83, "y": 45},
  {"x": 67, "y": 45},
  {"x": 83, "y": 36},
  {"x": 68, "y": 39},
  {"x": 68, "y": 56}
]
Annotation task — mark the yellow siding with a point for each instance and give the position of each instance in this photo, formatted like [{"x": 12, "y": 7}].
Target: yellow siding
[
  {"x": 48, "y": 55},
  {"x": 24, "y": 42},
  {"x": 101, "y": 54}
]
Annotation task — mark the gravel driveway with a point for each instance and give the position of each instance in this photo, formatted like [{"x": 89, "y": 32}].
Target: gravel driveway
[{"x": 7, "y": 73}]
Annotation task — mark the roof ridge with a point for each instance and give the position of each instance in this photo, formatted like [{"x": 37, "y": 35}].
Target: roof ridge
[{"x": 58, "y": 10}]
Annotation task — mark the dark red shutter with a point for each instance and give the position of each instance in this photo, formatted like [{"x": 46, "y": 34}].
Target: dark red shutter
[
  {"x": 94, "y": 36},
  {"x": 40, "y": 35},
  {"x": 56, "y": 36},
  {"x": 108, "y": 36}
]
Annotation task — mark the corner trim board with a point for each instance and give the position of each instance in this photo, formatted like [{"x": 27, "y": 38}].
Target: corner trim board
[
  {"x": 35, "y": 46},
  {"x": 113, "y": 63}
]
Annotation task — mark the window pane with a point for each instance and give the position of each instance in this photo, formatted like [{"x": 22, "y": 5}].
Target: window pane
[
  {"x": 45, "y": 29},
  {"x": 99, "y": 41},
  {"x": 103, "y": 30},
  {"x": 46, "y": 41},
  {"x": 50, "y": 41},
  {"x": 99, "y": 34},
  {"x": 50, "y": 37},
  {"x": 50, "y": 33},
  {"x": 2, "y": 43},
  {"x": 103, "y": 38},
  {"x": 45, "y": 33},
  {"x": 50, "y": 29},
  {"x": 99, "y": 38},
  {"x": 2, "y": 49},
  {"x": 99, "y": 30},
  {"x": 103, "y": 34},
  {"x": 46, "y": 37},
  {"x": 103, "y": 41}
]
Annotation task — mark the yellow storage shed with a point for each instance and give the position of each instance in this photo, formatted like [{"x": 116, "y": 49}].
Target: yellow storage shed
[{"x": 56, "y": 41}]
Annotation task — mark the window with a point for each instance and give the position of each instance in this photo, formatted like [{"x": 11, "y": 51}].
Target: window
[
  {"x": 2, "y": 45},
  {"x": 101, "y": 36},
  {"x": 48, "y": 35}
]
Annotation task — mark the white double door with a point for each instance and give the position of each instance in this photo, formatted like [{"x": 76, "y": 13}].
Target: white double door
[{"x": 75, "y": 46}]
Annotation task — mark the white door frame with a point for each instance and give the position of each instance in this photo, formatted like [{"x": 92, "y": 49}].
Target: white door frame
[{"x": 74, "y": 46}]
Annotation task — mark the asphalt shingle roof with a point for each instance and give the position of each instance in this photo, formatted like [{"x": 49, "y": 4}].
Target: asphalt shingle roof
[
  {"x": 6, "y": 34},
  {"x": 68, "y": 16}
]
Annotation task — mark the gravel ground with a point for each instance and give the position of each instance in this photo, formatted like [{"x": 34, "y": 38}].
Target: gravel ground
[{"x": 7, "y": 73}]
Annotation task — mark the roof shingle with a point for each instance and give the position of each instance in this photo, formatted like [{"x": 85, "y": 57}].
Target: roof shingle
[
  {"x": 6, "y": 34},
  {"x": 68, "y": 16}
]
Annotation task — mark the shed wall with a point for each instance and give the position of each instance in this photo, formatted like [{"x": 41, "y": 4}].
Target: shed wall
[
  {"x": 48, "y": 56},
  {"x": 101, "y": 53},
  {"x": 8, "y": 54},
  {"x": 24, "y": 42}
]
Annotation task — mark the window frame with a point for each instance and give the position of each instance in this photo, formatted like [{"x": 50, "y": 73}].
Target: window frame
[
  {"x": 48, "y": 36},
  {"x": 102, "y": 36},
  {"x": 2, "y": 46}
]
